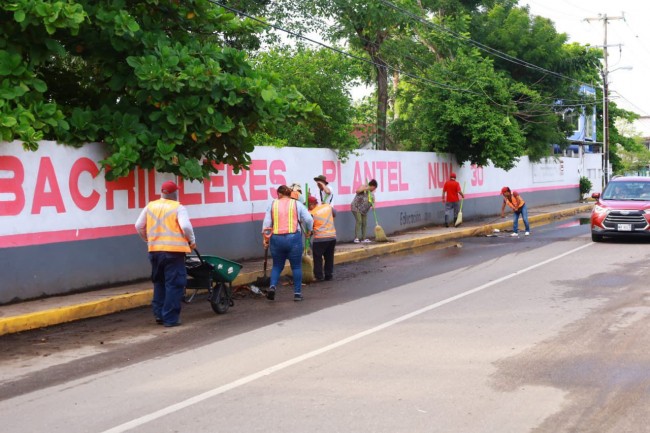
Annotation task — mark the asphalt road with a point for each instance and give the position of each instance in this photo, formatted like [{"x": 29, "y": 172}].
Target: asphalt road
[{"x": 547, "y": 333}]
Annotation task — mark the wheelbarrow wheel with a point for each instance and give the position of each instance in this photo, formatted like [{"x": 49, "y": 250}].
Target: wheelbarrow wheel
[{"x": 219, "y": 300}]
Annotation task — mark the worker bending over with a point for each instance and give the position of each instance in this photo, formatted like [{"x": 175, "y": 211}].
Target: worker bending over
[{"x": 514, "y": 201}]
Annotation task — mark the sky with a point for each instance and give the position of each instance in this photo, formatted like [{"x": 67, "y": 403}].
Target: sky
[{"x": 629, "y": 89}]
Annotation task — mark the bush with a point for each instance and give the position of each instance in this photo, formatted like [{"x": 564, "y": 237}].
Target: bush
[{"x": 585, "y": 186}]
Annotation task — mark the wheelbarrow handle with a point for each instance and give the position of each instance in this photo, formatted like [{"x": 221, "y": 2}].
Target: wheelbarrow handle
[{"x": 199, "y": 255}]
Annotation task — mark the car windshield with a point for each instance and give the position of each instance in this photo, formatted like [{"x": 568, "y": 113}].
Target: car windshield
[{"x": 627, "y": 190}]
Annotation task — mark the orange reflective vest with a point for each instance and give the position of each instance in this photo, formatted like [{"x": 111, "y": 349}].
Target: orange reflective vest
[
  {"x": 285, "y": 216},
  {"x": 515, "y": 202},
  {"x": 323, "y": 221},
  {"x": 163, "y": 231}
]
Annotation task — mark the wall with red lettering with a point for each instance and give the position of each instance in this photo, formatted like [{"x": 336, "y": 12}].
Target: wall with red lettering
[{"x": 58, "y": 211}]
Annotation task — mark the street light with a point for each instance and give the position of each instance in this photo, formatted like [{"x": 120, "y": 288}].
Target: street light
[{"x": 605, "y": 74}]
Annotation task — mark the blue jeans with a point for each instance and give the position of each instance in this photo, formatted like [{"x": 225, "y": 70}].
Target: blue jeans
[
  {"x": 169, "y": 278},
  {"x": 285, "y": 247},
  {"x": 451, "y": 211},
  {"x": 524, "y": 216}
]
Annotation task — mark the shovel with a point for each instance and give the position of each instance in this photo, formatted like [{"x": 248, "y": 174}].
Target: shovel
[{"x": 264, "y": 281}]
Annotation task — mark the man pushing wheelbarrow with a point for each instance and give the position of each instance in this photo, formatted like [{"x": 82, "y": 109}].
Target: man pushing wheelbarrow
[{"x": 166, "y": 228}]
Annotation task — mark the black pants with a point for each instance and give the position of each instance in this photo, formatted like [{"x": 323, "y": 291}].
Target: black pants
[{"x": 324, "y": 250}]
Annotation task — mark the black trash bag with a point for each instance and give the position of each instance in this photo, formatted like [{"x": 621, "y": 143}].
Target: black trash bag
[{"x": 199, "y": 273}]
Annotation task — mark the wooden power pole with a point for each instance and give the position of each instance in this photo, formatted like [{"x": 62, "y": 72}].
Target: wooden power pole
[{"x": 605, "y": 72}]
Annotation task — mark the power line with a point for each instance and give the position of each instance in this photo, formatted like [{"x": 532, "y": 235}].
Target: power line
[
  {"x": 557, "y": 102},
  {"x": 630, "y": 102},
  {"x": 638, "y": 41},
  {"x": 413, "y": 60},
  {"x": 324, "y": 45},
  {"x": 479, "y": 45},
  {"x": 576, "y": 6}
]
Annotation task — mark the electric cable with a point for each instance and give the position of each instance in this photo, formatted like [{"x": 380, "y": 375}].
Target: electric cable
[
  {"x": 477, "y": 44},
  {"x": 552, "y": 106},
  {"x": 342, "y": 52}
]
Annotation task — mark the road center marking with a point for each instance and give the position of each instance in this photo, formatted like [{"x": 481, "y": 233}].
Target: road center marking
[{"x": 306, "y": 356}]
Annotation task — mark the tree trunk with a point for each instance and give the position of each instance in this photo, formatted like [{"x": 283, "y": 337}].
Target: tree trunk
[
  {"x": 382, "y": 100},
  {"x": 372, "y": 48}
]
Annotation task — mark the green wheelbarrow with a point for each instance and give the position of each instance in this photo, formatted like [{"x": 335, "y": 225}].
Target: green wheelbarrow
[{"x": 214, "y": 275}]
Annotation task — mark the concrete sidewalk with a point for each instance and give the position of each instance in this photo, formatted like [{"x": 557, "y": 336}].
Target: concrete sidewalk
[{"x": 61, "y": 309}]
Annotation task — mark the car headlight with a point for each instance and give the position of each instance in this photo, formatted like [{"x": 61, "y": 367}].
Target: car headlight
[{"x": 600, "y": 209}]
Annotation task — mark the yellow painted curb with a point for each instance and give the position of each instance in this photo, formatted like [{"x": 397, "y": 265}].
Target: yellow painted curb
[
  {"x": 56, "y": 316},
  {"x": 114, "y": 304},
  {"x": 393, "y": 247}
]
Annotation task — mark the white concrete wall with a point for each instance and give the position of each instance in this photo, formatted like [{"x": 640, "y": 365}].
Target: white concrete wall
[
  {"x": 58, "y": 193},
  {"x": 63, "y": 227}
]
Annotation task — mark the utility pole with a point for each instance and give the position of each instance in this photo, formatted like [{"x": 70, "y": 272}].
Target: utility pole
[{"x": 605, "y": 19}]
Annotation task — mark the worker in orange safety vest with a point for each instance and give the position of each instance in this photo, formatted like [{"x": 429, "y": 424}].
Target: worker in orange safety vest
[
  {"x": 514, "y": 201},
  {"x": 166, "y": 227},
  {"x": 285, "y": 219},
  {"x": 324, "y": 238}
]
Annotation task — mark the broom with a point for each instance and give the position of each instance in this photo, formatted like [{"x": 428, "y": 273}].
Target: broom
[
  {"x": 380, "y": 235},
  {"x": 307, "y": 264},
  {"x": 459, "y": 219},
  {"x": 307, "y": 259}
]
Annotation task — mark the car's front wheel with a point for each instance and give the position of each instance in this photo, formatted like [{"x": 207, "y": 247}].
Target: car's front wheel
[{"x": 596, "y": 238}]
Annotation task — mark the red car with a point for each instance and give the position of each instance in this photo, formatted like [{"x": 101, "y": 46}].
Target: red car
[{"x": 623, "y": 209}]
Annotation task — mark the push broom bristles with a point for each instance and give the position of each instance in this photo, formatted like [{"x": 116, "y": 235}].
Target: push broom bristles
[
  {"x": 380, "y": 235},
  {"x": 307, "y": 269},
  {"x": 307, "y": 264},
  {"x": 307, "y": 259}
]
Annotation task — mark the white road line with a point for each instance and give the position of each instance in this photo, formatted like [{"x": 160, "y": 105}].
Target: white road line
[{"x": 304, "y": 357}]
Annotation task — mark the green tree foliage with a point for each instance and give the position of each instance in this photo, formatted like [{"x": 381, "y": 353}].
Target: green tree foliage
[
  {"x": 26, "y": 112},
  {"x": 366, "y": 25},
  {"x": 453, "y": 93},
  {"x": 534, "y": 41},
  {"x": 161, "y": 82},
  {"x": 323, "y": 77},
  {"x": 626, "y": 152},
  {"x": 485, "y": 106},
  {"x": 452, "y": 96},
  {"x": 472, "y": 123},
  {"x": 632, "y": 160},
  {"x": 364, "y": 111}
]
